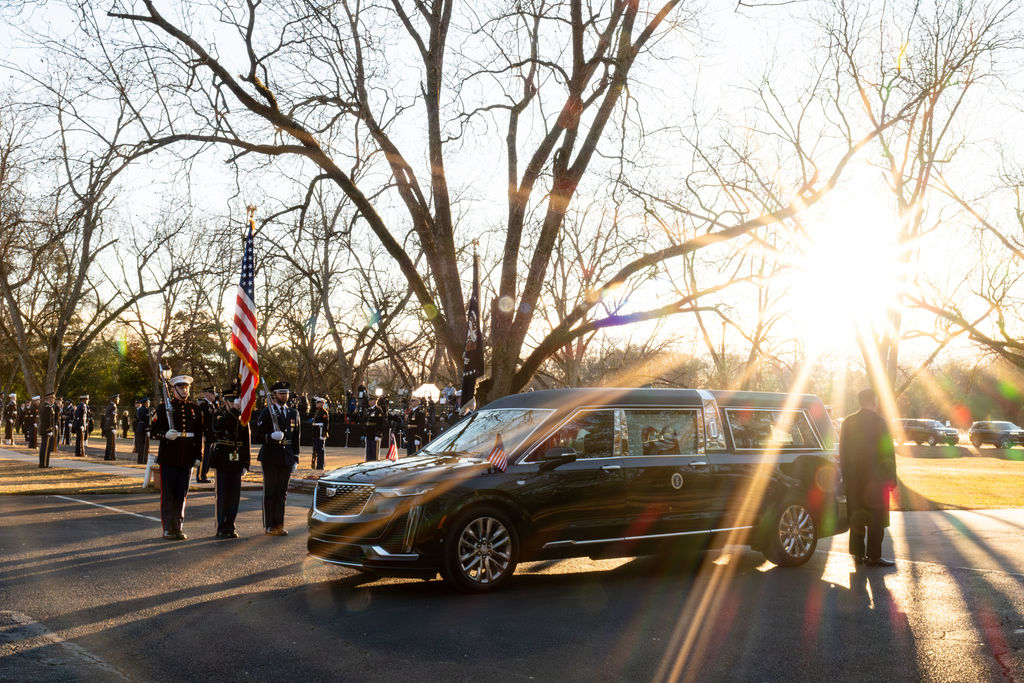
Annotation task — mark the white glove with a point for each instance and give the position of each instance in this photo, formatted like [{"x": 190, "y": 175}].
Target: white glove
[
  {"x": 277, "y": 436},
  {"x": 172, "y": 434},
  {"x": 295, "y": 467},
  {"x": 197, "y": 463},
  {"x": 245, "y": 470}
]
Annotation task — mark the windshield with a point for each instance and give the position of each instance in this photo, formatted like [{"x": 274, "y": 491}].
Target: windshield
[{"x": 477, "y": 434}]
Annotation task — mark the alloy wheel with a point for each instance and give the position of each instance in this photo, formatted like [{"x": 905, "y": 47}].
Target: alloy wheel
[
  {"x": 485, "y": 550},
  {"x": 796, "y": 531}
]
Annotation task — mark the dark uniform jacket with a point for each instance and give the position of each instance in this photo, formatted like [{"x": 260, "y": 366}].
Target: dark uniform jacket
[
  {"x": 83, "y": 418},
  {"x": 868, "y": 462},
  {"x": 183, "y": 451},
  {"x": 286, "y": 451},
  {"x": 11, "y": 412},
  {"x": 142, "y": 420},
  {"x": 231, "y": 445},
  {"x": 373, "y": 422},
  {"x": 48, "y": 419},
  {"x": 208, "y": 411},
  {"x": 109, "y": 421},
  {"x": 320, "y": 417}
]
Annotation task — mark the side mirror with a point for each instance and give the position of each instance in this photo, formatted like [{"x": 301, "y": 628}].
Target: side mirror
[{"x": 553, "y": 457}]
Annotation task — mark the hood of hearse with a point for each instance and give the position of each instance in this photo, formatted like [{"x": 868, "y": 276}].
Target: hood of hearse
[{"x": 408, "y": 471}]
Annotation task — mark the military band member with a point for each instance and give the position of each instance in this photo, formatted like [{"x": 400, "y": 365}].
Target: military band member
[
  {"x": 29, "y": 422},
  {"x": 417, "y": 430},
  {"x": 142, "y": 422},
  {"x": 373, "y": 428},
  {"x": 180, "y": 450},
  {"x": 207, "y": 407},
  {"x": 278, "y": 431},
  {"x": 108, "y": 427},
  {"x": 230, "y": 457},
  {"x": 10, "y": 415},
  {"x": 83, "y": 417},
  {"x": 321, "y": 421},
  {"x": 48, "y": 416}
]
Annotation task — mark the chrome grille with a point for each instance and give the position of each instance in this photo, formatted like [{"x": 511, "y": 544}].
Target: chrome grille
[{"x": 342, "y": 499}]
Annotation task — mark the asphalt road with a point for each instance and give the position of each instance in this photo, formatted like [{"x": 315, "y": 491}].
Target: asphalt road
[{"x": 89, "y": 593}]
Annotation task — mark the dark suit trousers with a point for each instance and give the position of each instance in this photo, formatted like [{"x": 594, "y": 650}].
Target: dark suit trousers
[
  {"x": 142, "y": 447},
  {"x": 110, "y": 453},
  {"x": 227, "y": 486},
  {"x": 867, "y": 522},
  {"x": 173, "y": 492},
  {"x": 46, "y": 442},
  {"x": 275, "y": 493}
]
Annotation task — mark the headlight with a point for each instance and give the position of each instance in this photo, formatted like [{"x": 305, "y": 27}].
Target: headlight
[{"x": 404, "y": 491}]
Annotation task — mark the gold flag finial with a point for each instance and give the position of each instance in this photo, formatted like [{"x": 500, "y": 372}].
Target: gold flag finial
[{"x": 251, "y": 211}]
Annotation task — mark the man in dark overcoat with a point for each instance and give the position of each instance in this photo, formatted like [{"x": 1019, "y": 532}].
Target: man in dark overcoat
[
  {"x": 142, "y": 422},
  {"x": 181, "y": 449},
  {"x": 278, "y": 430},
  {"x": 868, "y": 462},
  {"x": 373, "y": 429}
]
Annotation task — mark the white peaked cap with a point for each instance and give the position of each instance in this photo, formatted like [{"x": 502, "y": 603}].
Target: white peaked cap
[
  {"x": 35, "y": 398},
  {"x": 181, "y": 379}
]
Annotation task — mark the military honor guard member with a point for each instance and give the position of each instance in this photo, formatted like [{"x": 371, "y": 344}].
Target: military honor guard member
[
  {"x": 29, "y": 420},
  {"x": 10, "y": 415},
  {"x": 278, "y": 430},
  {"x": 142, "y": 422},
  {"x": 49, "y": 419},
  {"x": 180, "y": 450},
  {"x": 230, "y": 458},
  {"x": 321, "y": 421},
  {"x": 416, "y": 432},
  {"x": 373, "y": 428},
  {"x": 68, "y": 420},
  {"x": 108, "y": 427},
  {"x": 207, "y": 407},
  {"x": 83, "y": 416}
]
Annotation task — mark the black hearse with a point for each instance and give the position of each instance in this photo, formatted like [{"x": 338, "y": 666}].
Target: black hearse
[{"x": 593, "y": 472}]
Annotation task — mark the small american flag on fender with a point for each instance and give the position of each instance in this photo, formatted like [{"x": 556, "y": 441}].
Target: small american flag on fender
[
  {"x": 497, "y": 455},
  {"x": 392, "y": 449}
]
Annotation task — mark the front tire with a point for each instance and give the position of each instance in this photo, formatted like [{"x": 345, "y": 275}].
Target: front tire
[
  {"x": 1004, "y": 443},
  {"x": 931, "y": 441},
  {"x": 481, "y": 550},
  {"x": 792, "y": 535}
]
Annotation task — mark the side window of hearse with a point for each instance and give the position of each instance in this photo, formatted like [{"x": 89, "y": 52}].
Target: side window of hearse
[
  {"x": 662, "y": 432},
  {"x": 760, "y": 429},
  {"x": 591, "y": 433}
]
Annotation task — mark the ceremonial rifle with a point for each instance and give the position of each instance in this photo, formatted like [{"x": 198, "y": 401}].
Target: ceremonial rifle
[{"x": 164, "y": 376}]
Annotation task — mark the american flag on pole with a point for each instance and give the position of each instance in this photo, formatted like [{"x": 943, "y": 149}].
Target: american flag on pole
[
  {"x": 392, "y": 449},
  {"x": 497, "y": 455},
  {"x": 243, "y": 332}
]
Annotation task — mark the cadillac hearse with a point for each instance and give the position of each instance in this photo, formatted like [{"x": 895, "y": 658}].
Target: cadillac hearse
[{"x": 591, "y": 472}]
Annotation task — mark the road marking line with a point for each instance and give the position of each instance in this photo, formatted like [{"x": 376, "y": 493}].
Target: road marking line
[
  {"x": 107, "y": 507},
  {"x": 35, "y": 630},
  {"x": 932, "y": 564}
]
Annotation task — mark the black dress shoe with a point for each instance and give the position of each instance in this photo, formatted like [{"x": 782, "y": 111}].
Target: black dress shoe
[
  {"x": 880, "y": 562},
  {"x": 231, "y": 534},
  {"x": 204, "y": 481},
  {"x": 180, "y": 535},
  {"x": 858, "y": 560},
  {"x": 222, "y": 534}
]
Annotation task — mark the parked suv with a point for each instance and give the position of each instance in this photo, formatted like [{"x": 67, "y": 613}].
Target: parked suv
[
  {"x": 591, "y": 472},
  {"x": 930, "y": 432},
  {"x": 999, "y": 434}
]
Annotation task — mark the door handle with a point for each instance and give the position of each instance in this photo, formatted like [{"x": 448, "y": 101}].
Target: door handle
[
  {"x": 697, "y": 465},
  {"x": 609, "y": 468}
]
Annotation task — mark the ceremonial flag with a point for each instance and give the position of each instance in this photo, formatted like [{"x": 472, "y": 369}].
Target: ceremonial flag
[
  {"x": 243, "y": 332},
  {"x": 392, "y": 449},
  {"x": 497, "y": 455},
  {"x": 473, "y": 356}
]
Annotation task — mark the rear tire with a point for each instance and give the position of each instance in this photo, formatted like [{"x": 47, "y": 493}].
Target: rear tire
[
  {"x": 1004, "y": 443},
  {"x": 792, "y": 535},
  {"x": 976, "y": 443},
  {"x": 481, "y": 550},
  {"x": 931, "y": 441}
]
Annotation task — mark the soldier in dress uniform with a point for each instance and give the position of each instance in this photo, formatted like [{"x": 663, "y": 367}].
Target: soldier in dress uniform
[
  {"x": 68, "y": 420},
  {"x": 142, "y": 422},
  {"x": 230, "y": 457},
  {"x": 10, "y": 415},
  {"x": 180, "y": 450},
  {"x": 49, "y": 416},
  {"x": 321, "y": 421},
  {"x": 416, "y": 432},
  {"x": 108, "y": 427},
  {"x": 207, "y": 407},
  {"x": 29, "y": 422},
  {"x": 373, "y": 428},
  {"x": 81, "y": 425},
  {"x": 278, "y": 430}
]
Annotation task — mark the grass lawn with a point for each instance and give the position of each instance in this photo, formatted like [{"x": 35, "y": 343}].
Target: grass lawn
[
  {"x": 28, "y": 479},
  {"x": 952, "y": 477}
]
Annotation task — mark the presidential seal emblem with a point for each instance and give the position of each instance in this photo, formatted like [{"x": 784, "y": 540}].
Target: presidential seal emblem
[{"x": 677, "y": 481}]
